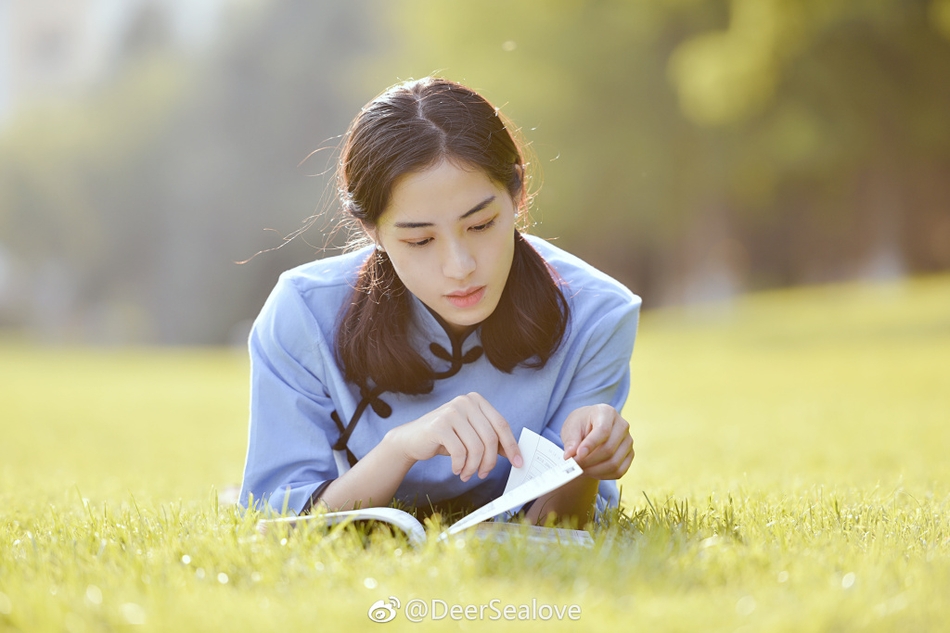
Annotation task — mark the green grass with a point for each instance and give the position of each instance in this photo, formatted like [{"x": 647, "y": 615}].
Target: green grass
[{"x": 790, "y": 476}]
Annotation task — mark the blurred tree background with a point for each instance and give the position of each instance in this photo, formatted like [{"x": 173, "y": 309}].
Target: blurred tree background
[{"x": 694, "y": 149}]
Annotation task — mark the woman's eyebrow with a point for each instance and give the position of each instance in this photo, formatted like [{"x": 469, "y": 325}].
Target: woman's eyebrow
[{"x": 417, "y": 225}]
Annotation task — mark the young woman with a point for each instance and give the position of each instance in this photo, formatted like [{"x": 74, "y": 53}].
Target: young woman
[{"x": 407, "y": 368}]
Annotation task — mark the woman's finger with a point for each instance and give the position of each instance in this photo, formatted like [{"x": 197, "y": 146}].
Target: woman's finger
[
  {"x": 503, "y": 435},
  {"x": 453, "y": 446},
  {"x": 616, "y": 466},
  {"x": 573, "y": 430},
  {"x": 615, "y": 442},
  {"x": 486, "y": 432},
  {"x": 600, "y": 422},
  {"x": 474, "y": 447},
  {"x": 479, "y": 437}
]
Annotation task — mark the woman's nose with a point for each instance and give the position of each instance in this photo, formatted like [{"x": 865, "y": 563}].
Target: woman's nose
[{"x": 458, "y": 262}]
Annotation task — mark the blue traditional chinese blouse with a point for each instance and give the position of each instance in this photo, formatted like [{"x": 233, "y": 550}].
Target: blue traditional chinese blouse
[{"x": 308, "y": 424}]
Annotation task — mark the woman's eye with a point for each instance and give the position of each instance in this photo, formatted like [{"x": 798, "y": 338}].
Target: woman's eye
[
  {"x": 483, "y": 227},
  {"x": 422, "y": 242}
]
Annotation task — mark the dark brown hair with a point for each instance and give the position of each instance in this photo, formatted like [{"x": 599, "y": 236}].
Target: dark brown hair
[{"x": 409, "y": 128}]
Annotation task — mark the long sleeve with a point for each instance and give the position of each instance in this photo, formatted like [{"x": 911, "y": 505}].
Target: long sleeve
[
  {"x": 599, "y": 365},
  {"x": 289, "y": 446},
  {"x": 602, "y": 376},
  {"x": 598, "y": 346}
]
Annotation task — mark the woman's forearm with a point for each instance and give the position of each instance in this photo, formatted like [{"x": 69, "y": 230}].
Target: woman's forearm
[{"x": 371, "y": 482}]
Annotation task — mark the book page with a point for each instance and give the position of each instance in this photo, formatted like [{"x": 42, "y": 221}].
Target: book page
[
  {"x": 548, "y": 475},
  {"x": 414, "y": 530},
  {"x": 539, "y": 454}
]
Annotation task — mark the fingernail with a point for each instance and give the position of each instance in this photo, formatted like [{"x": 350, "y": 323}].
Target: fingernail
[{"x": 518, "y": 461}]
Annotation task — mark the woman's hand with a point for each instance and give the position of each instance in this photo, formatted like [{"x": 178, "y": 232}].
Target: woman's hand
[
  {"x": 599, "y": 441},
  {"x": 467, "y": 429}
]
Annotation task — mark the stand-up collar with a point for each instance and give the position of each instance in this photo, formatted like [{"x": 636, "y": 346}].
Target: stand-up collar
[{"x": 445, "y": 350}]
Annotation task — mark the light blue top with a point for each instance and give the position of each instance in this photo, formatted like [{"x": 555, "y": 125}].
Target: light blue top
[{"x": 296, "y": 383}]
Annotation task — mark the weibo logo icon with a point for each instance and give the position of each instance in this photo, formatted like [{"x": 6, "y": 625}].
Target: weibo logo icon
[{"x": 383, "y": 611}]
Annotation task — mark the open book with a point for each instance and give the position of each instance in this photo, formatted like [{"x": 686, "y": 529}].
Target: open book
[{"x": 544, "y": 469}]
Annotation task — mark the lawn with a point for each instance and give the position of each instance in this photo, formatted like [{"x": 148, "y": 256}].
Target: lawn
[{"x": 790, "y": 476}]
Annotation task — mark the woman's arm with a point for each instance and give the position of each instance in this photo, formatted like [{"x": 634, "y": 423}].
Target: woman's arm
[
  {"x": 467, "y": 429},
  {"x": 372, "y": 481}
]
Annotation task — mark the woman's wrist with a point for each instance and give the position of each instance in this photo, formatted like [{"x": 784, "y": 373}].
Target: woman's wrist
[
  {"x": 392, "y": 447},
  {"x": 372, "y": 481}
]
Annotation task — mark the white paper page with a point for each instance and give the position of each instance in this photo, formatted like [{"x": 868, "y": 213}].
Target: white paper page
[
  {"x": 403, "y": 520},
  {"x": 542, "y": 484},
  {"x": 539, "y": 454}
]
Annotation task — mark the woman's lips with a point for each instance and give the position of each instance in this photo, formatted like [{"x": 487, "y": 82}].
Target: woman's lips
[{"x": 466, "y": 298}]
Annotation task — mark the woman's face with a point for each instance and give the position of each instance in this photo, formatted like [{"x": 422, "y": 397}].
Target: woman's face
[{"x": 449, "y": 233}]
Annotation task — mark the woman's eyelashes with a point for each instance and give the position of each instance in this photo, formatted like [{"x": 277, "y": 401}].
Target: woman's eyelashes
[
  {"x": 478, "y": 228},
  {"x": 484, "y": 227}
]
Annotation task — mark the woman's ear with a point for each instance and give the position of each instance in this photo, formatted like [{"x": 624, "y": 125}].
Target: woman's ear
[
  {"x": 521, "y": 198},
  {"x": 373, "y": 234},
  {"x": 519, "y": 174}
]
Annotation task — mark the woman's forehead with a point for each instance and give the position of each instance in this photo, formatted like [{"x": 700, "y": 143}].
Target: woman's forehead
[{"x": 445, "y": 193}]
